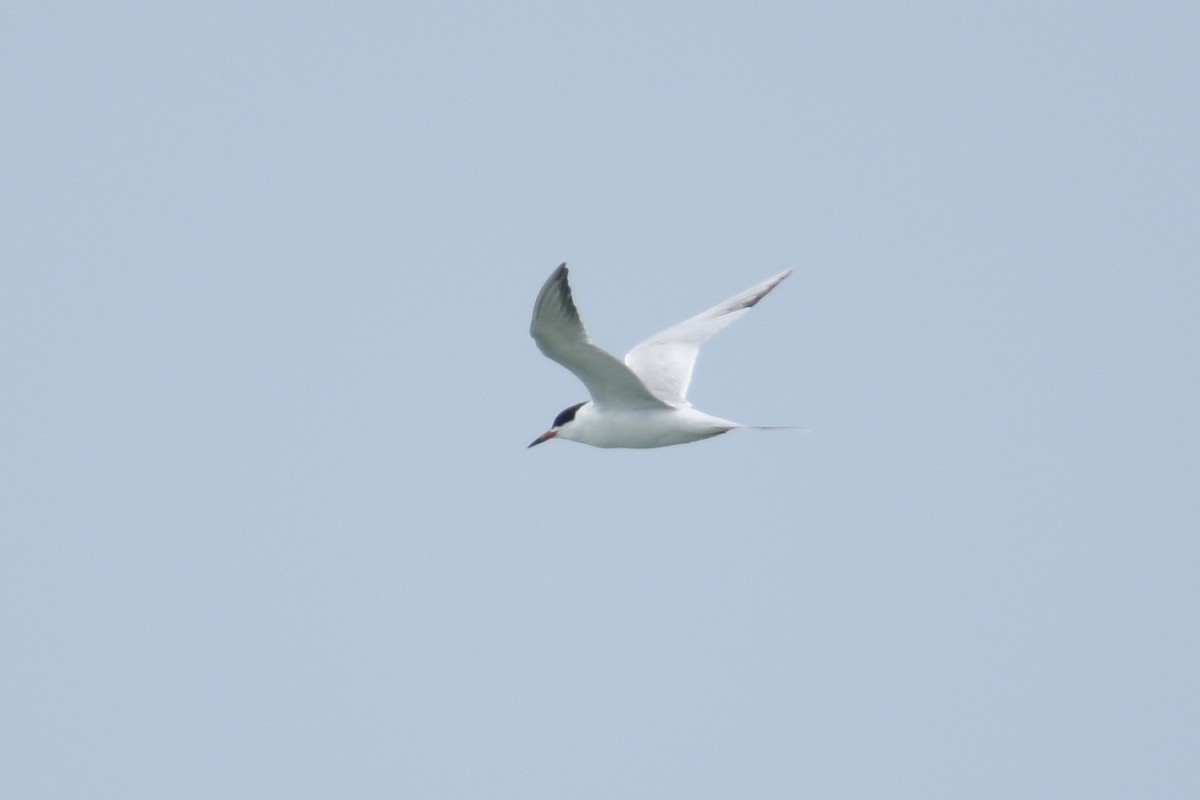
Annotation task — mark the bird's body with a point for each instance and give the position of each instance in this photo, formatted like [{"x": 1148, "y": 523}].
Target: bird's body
[
  {"x": 640, "y": 402},
  {"x": 655, "y": 427}
]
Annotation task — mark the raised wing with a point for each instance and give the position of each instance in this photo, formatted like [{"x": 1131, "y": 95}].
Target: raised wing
[
  {"x": 664, "y": 362},
  {"x": 559, "y": 333}
]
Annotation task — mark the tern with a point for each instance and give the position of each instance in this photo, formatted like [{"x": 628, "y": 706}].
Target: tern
[{"x": 641, "y": 402}]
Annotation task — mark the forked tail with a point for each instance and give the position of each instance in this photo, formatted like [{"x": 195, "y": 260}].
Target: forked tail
[{"x": 777, "y": 428}]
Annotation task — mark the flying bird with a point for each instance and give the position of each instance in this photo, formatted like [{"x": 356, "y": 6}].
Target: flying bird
[{"x": 641, "y": 402}]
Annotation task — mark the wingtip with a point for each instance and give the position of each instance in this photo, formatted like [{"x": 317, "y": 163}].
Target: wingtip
[
  {"x": 757, "y": 293},
  {"x": 559, "y": 276},
  {"x": 555, "y": 294}
]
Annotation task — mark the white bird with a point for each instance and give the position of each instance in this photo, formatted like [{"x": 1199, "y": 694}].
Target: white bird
[{"x": 643, "y": 401}]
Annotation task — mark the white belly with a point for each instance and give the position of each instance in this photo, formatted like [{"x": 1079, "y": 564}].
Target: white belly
[{"x": 644, "y": 428}]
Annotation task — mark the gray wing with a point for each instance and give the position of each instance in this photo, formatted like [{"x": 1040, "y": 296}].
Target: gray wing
[
  {"x": 559, "y": 333},
  {"x": 664, "y": 362}
]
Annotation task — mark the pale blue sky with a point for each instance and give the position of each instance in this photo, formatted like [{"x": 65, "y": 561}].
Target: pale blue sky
[{"x": 269, "y": 526}]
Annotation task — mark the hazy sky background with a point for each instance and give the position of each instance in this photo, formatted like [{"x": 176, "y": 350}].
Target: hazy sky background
[{"x": 268, "y": 523}]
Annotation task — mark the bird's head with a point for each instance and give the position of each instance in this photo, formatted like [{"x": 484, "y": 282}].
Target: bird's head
[{"x": 564, "y": 420}]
